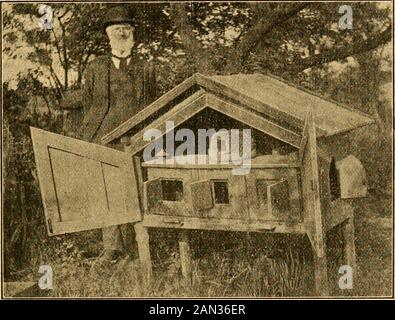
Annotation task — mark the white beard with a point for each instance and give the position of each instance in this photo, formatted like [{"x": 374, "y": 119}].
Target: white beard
[{"x": 121, "y": 46}]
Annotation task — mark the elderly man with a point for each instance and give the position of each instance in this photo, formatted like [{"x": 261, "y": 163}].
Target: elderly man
[{"x": 115, "y": 87}]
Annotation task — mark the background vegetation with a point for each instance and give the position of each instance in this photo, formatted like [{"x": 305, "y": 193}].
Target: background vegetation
[{"x": 300, "y": 42}]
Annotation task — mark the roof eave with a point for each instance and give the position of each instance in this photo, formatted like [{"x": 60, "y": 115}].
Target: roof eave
[
  {"x": 347, "y": 130},
  {"x": 219, "y": 88},
  {"x": 149, "y": 110}
]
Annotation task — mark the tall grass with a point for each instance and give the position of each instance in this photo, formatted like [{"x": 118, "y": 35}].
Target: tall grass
[{"x": 231, "y": 272}]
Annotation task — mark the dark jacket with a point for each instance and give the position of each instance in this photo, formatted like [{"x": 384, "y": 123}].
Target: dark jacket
[{"x": 110, "y": 96}]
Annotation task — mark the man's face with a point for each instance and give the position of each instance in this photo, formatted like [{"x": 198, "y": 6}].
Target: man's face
[{"x": 120, "y": 35}]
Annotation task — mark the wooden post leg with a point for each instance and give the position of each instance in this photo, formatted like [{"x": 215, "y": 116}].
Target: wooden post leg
[
  {"x": 142, "y": 238},
  {"x": 320, "y": 264},
  {"x": 349, "y": 244},
  {"x": 321, "y": 275},
  {"x": 185, "y": 256}
]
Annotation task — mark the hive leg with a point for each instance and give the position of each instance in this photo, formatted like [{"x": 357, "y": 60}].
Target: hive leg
[
  {"x": 320, "y": 264},
  {"x": 349, "y": 243},
  {"x": 142, "y": 238},
  {"x": 321, "y": 275},
  {"x": 185, "y": 256}
]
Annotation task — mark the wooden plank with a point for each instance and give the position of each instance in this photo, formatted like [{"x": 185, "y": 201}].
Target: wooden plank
[
  {"x": 221, "y": 89},
  {"x": 152, "y": 193},
  {"x": 88, "y": 224},
  {"x": 73, "y": 178},
  {"x": 259, "y": 195},
  {"x": 310, "y": 183},
  {"x": 327, "y": 115},
  {"x": 201, "y": 195},
  {"x": 149, "y": 110},
  {"x": 220, "y": 166},
  {"x": 256, "y": 190},
  {"x": 338, "y": 212},
  {"x": 255, "y": 121},
  {"x": 178, "y": 115},
  {"x": 237, "y": 206},
  {"x": 325, "y": 187},
  {"x": 139, "y": 176},
  {"x": 295, "y": 195},
  {"x": 287, "y": 86},
  {"x": 352, "y": 178},
  {"x": 183, "y": 205},
  {"x": 84, "y": 186},
  {"x": 349, "y": 244},
  {"x": 88, "y": 150},
  {"x": 185, "y": 257},
  {"x": 312, "y": 207},
  {"x": 303, "y": 142},
  {"x": 279, "y": 197},
  {"x": 125, "y": 141},
  {"x": 142, "y": 238},
  {"x": 159, "y": 221},
  {"x": 238, "y": 197},
  {"x": 321, "y": 275},
  {"x": 330, "y": 116}
]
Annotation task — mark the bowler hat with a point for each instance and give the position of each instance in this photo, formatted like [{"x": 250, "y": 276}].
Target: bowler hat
[{"x": 117, "y": 15}]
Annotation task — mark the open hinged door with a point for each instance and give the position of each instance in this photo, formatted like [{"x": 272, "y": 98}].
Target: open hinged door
[{"x": 83, "y": 185}]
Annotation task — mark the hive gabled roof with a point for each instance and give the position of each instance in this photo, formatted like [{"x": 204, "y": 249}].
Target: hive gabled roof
[{"x": 266, "y": 95}]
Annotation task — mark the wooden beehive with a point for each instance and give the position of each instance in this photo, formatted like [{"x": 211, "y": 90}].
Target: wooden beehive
[
  {"x": 269, "y": 192},
  {"x": 293, "y": 185}
]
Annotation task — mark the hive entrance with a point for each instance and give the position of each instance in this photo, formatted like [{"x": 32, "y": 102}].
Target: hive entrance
[
  {"x": 172, "y": 190},
  {"x": 220, "y": 192}
]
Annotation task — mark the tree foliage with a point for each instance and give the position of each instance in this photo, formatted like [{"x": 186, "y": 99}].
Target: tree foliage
[{"x": 281, "y": 38}]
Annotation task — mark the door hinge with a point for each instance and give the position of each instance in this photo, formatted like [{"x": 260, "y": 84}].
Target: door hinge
[
  {"x": 314, "y": 186},
  {"x": 50, "y": 225}
]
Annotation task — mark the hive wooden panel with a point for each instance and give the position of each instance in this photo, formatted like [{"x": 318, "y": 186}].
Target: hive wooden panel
[
  {"x": 76, "y": 185},
  {"x": 201, "y": 195},
  {"x": 153, "y": 193},
  {"x": 155, "y": 196},
  {"x": 83, "y": 185},
  {"x": 265, "y": 187},
  {"x": 279, "y": 197},
  {"x": 352, "y": 176},
  {"x": 237, "y": 206},
  {"x": 312, "y": 204}
]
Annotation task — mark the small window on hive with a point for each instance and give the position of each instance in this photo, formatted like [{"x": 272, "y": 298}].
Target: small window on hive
[
  {"x": 220, "y": 192},
  {"x": 172, "y": 190}
]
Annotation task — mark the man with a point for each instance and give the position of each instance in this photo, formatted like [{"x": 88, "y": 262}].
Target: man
[{"x": 115, "y": 87}]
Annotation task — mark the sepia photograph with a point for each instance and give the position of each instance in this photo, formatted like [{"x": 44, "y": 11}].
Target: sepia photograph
[{"x": 197, "y": 149}]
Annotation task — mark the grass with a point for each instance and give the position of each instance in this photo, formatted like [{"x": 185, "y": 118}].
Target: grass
[
  {"x": 230, "y": 264},
  {"x": 241, "y": 271}
]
